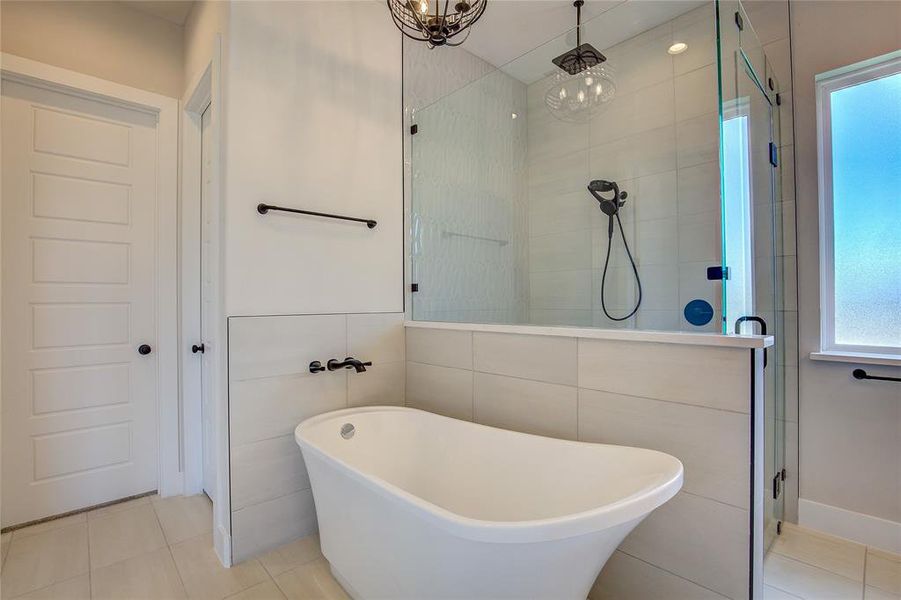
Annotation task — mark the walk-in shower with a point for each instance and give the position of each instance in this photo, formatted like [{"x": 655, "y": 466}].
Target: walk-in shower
[{"x": 680, "y": 227}]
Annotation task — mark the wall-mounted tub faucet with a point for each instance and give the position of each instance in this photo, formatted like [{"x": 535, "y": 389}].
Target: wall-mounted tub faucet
[{"x": 348, "y": 363}]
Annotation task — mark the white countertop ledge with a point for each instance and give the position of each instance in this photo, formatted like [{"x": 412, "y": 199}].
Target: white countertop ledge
[{"x": 626, "y": 335}]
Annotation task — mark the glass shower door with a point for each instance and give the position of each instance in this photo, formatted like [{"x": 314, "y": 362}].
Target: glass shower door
[{"x": 752, "y": 229}]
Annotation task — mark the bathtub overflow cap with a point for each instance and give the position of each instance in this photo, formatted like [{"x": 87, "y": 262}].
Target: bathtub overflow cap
[{"x": 347, "y": 431}]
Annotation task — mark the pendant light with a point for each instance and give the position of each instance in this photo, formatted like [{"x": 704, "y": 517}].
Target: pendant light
[
  {"x": 433, "y": 22},
  {"x": 583, "y": 85}
]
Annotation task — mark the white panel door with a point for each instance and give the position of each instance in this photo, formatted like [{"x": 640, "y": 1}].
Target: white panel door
[{"x": 79, "y": 271}]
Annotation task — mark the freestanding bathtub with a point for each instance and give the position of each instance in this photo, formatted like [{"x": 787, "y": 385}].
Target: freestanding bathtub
[{"x": 413, "y": 505}]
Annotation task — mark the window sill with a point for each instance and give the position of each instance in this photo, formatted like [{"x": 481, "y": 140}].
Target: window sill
[{"x": 863, "y": 358}]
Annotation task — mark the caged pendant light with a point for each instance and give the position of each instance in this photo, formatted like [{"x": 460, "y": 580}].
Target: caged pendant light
[
  {"x": 583, "y": 85},
  {"x": 436, "y": 22}
]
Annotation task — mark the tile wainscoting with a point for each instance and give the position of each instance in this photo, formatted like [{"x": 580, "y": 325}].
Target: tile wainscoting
[
  {"x": 694, "y": 403},
  {"x": 271, "y": 390}
]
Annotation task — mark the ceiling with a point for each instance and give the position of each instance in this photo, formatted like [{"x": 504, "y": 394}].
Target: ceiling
[
  {"x": 174, "y": 11},
  {"x": 534, "y": 31}
]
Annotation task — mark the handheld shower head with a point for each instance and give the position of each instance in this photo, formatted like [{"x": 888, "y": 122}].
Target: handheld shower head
[{"x": 609, "y": 206}]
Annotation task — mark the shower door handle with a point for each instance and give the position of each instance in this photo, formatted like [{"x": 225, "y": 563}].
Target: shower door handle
[{"x": 760, "y": 322}]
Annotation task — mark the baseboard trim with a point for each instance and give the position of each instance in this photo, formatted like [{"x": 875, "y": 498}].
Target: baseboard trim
[{"x": 858, "y": 527}]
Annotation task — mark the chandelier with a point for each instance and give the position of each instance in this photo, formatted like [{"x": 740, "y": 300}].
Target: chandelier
[
  {"x": 433, "y": 22},
  {"x": 583, "y": 85}
]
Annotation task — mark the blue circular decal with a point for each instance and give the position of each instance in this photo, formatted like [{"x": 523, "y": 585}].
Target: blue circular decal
[{"x": 698, "y": 312}]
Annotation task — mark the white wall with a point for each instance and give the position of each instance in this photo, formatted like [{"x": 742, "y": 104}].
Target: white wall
[
  {"x": 207, "y": 20},
  {"x": 313, "y": 120},
  {"x": 850, "y": 431},
  {"x": 104, "y": 39}
]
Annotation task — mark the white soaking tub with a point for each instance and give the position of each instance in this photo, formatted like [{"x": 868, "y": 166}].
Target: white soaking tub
[{"x": 413, "y": 505}]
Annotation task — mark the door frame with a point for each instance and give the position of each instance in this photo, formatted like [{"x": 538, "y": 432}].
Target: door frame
[
  {"x": 204, "y": 91},
  {"x": 37, "y": 74}
]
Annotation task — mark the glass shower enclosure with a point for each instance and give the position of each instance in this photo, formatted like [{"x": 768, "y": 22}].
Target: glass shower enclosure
[{"x": 508, "y": 221}]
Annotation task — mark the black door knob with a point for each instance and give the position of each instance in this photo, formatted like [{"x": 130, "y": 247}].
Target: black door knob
[
  {"x": 144, "y": 349},
  {"x": 195, "y": 348}
]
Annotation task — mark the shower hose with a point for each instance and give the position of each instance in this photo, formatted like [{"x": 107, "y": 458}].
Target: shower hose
[{"x": 607, "y": 263}]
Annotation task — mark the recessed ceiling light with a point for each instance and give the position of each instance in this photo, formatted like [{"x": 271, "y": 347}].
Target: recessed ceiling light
[
  {"x": 678, "y": 48},
  {"x": 514, "y": 115}
]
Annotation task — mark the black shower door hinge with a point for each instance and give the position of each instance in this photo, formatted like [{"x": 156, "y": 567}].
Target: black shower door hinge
[
  {"x": 774, "y": 156},
  {"x": 414, "y": 129},
  {"x": 716, "y": 273},
  {"x": 414, "y": 287},
  {"x": 739, "y": 21}
]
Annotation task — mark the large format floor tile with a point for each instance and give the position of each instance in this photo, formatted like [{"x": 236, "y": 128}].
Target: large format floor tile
[
  {"x": 4, "y": 545},
  {"x": 184, "y": 517},
  {"x": 77, "y": 588},
  {"x": 150, "y": 576},
  {"x": 884, "y": 571},
  {"x": 204, "y": 576},
  {"x": 43, "y": 559},
  {"x": 831, "y": 553},
  {"x": 811, "y": 565},
  {"x": 49, "y": 526},
  {"x": 291, "y": 555},
  {"x": 807, "y": 581},
  {"x": 262, "y": 591},
  {"x": 124, "y": 534},
  {"x": 312, "y": 580}
]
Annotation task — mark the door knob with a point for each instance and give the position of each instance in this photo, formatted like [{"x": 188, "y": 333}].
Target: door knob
[
  {"x": 195, "y": 348},
  {"x": 144, "y": 349}
]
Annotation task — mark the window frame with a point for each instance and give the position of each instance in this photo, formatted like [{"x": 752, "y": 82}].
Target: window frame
[{"x": 827, "y": 83}]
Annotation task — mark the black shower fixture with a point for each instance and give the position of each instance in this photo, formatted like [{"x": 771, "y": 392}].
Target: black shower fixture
[
  {"x": 610, "y": 206},
  {"x": 583, "y": 56},
  {"x": 583, "y": 84},
  {"x": 436, "y": 22}
]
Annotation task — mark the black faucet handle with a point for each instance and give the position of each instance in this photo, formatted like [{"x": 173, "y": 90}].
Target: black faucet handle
[{"x": 316, "y": 367}]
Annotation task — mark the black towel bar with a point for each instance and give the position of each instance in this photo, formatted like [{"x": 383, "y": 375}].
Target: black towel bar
[
  {"x": 861, "y": 374},
  {"x": 265, "y": 208}
]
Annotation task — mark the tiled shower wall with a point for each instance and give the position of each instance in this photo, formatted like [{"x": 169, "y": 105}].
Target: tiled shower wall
[
  {"x": 468, "y": 217},
  {"x": 658, "y": 139},
  {"x": 271, "y": 390},
  {"x": 652, "y": 395}
]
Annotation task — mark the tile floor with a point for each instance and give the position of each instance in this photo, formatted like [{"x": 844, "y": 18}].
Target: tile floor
[
  {"x": 814, "y": 566},
  {"x": 152, "y": 548},
  {"x": 161, "y": 548}
]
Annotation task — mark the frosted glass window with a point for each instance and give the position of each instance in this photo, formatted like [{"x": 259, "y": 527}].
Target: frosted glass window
[{"x": 862, "y": 173}]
